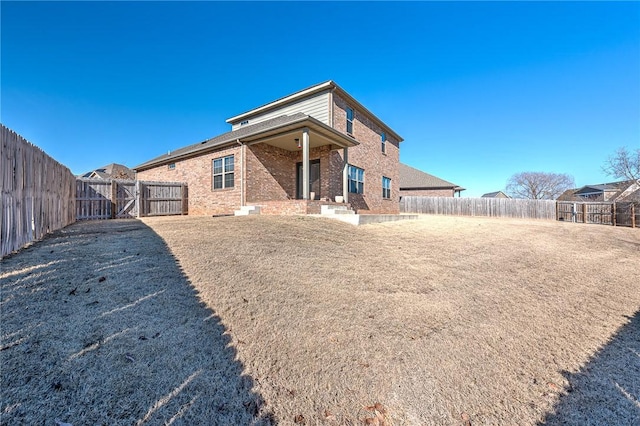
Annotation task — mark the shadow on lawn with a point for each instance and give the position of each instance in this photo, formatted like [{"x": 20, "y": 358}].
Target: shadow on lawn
[
  {"x": 606, "y": 391},
  {"x": 99, "y": 325}
]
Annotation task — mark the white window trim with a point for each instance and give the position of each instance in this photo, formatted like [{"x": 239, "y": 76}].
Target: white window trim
[
  {"x": 349, "y": 179},
  {"x": 349, "y": 120},
  {"x": 386, "y": 189},
  {"x": 223, "y": 173}
]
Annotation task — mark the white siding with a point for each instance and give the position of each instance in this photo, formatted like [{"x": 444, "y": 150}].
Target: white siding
[{"x": 316, "y": 106}]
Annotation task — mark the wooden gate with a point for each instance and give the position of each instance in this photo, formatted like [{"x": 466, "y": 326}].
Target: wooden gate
[
  {"x": 605, "y": 213},
  {"x": 123, "y": 199}
]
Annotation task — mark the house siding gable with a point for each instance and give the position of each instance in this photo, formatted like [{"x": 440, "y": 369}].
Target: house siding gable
[{"x": 316, "y": 106}]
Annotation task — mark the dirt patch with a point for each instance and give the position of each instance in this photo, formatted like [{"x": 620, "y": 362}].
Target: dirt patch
[{"x": 437, "y": 321}]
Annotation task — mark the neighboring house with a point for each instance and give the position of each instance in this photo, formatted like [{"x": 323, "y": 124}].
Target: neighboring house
[
  {"x": 497, "y": 194},
  {"x": 417, "y": 182},
  {"x": 628, "y": 190},
  {"x": 319, "y": 141},
  {"x": 111, "y": 171}
]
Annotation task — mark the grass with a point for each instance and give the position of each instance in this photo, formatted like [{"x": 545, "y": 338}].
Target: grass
[{"x": 301, "y": 320}]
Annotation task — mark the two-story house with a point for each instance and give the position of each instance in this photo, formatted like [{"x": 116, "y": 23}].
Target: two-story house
[{"x": 290, "y": 156}]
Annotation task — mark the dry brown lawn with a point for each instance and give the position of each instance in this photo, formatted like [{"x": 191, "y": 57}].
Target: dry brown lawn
[{"x": 299, "y": 320}]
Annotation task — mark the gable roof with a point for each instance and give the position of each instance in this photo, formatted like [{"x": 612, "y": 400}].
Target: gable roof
[
  {"x": 327, "y": 85},
  {"x": 605, "y": 187},
  {"x": 234, "y": 136},
  {"x": 494, "y": 194},
  {"x": 113, "y": 170},
  {"x": 411, "y": 178}
]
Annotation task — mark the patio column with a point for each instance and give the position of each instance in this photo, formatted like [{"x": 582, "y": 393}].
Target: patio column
[
  {"x": 345, "y": 176},
  {"x": 305, "y": 163}
]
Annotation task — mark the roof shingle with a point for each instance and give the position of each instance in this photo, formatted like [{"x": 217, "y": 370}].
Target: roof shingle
[{"x": 411, "y": 178}]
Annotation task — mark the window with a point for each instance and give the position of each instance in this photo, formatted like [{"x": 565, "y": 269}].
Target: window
[
  {"x": 386, "y": 187},
  {"x": 172, "y": 166},
  {"x": 349, "y": 121},
  {"x": 356, "y": 179},
  {"x": 223, "y": 172},
  {"x": 383, "y": 138}
]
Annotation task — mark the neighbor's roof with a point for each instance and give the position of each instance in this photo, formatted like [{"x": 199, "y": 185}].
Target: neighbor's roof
[
  {"x": 109, "y": 171},
  {"x": 233, "y": 136},
  {"x": 327, "y": 85},
  {"x": 602, "y": 187},
  {"x": 494, "y": 194},
  {"x": 411, "y": 178}
]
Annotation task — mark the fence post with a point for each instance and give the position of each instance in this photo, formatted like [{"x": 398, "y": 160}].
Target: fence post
[
  {"x": 613, "y": 214},
  {"x": 139, "y": 199},
  {"x": 633, "y": 215},
  {"x": 113, "y": 198},
  {"x": 185, "y": 199},
  {"x": 584, "y": 213}
]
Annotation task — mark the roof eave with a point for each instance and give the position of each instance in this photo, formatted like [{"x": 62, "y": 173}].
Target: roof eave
[{"x": 418, "y": 188}]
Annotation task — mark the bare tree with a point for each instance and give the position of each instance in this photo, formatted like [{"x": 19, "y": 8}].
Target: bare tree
[
  {"x": 623, "y": 164},
  {"x": 539, "y": 185}
]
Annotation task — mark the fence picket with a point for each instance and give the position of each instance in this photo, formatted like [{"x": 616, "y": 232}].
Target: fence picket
[
  {"x": 38, "y": 194},
  {"x": 493, "y": 207}
]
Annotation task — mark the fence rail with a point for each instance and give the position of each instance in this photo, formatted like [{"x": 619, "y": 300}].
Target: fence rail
[
  {"x": 37, "y": 193},
  {"x": 121, "y": 199},
  {"x": 493, "y": 207}
]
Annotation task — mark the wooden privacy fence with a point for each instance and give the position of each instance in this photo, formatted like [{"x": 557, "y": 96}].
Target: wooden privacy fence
[
  {"x": 494, "y": 207},
  {"x": 121, "y": 199},
  {"x": 621, "y": 213},
  {"x": 37, "y": 193}
]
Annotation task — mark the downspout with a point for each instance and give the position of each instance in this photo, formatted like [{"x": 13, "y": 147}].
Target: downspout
[{"x": 243, "y": 157}]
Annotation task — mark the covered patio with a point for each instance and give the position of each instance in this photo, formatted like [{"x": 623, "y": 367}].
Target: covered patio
[{"x": 294, "y": 165}]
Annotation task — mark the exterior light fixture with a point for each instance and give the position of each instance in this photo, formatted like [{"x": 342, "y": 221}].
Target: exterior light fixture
[{"x": 298, "y": 142}]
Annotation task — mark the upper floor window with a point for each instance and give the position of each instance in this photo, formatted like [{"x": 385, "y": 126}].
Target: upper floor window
[
  {"x": 386, "y": 187},
  {"x": 349, "y": 121},
  {"x": 383, "y": 138},
  {"x": 171, "y": 166},
  {"x": 223, "y": 172},
  {"x": 356, "y": 179}
]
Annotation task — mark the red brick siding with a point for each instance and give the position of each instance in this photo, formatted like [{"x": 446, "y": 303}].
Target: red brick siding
[
  {"x": 197, "y": 173},
  {"x": 271, "y": 173},
  {"x": 427, "y": 192},
  {"x": 368, "y": 156}
]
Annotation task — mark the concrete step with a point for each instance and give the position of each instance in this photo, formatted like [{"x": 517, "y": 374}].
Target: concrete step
[
  {"x": 247, "y": 210},
  {"x": 335, "y": 209}
]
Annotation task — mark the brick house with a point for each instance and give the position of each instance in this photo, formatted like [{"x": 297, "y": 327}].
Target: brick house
[
  {"x": 418, "y": 183},
  {"x": 290, "y": 156}
]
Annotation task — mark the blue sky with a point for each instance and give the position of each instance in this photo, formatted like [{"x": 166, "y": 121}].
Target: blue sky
[{"x": 479, "y": 91}]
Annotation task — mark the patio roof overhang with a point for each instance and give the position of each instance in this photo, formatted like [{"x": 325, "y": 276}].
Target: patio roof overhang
[
  {"x": 289, "y": 136},
  {"x": 280, "y": 132}
]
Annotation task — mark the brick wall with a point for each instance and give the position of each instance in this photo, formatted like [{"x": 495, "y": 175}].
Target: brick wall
[
  {"x": 368, "y": 156},
  {"x": 197, "y": 173},
  {"x": 271, "y": 173},
  {"x": 427, "y": 192}
]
